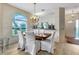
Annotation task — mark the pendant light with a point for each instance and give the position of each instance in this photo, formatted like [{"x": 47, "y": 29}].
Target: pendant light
[
  {"x": 72, "y": 15},
  {"x": 34, "y": 18}
]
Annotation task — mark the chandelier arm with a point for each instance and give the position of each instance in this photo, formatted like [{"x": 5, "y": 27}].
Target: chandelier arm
[{"x": 34, "y": 8}]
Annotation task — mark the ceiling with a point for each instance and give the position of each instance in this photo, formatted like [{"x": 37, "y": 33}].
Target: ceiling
[{"x": 49, "y": 7}]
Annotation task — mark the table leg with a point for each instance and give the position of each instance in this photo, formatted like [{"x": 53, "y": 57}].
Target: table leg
[
  {"x": 40, "y": 47},
  {"x": 2, "y": 46}
]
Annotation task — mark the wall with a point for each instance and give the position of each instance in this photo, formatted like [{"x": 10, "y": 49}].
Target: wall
[
  {"x": 0, "y": 20},
  {"x": 47, "y": 18},
  {"x": 7, "y": 12},
  {"x": 58, "y": 19},
  {"x": 50, "y": 18}
]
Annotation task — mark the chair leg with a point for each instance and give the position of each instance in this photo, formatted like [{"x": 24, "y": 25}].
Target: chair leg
[
  {"x": 7, "y": 45},
  {"x": 18, "y": 48},
  {"x": 2, "y": 47}
]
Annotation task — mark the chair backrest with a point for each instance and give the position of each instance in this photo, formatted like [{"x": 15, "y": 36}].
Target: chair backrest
[
  {"x": 52, "y": 36},
  {"x": 35, "y": 31},
  {"x": 52, "y": 42},
  {"x": 20, "y": 36},
  {"x": 30, "y": 36},
  {"x": 41, "y": 31},
  {"x": 20, "y": 39},
  {"x": 48, "y": 31},
  {"x": 56, "y": 36},
  {"x": 52, "y": 33},
  {"x": 30, "y": 40}
]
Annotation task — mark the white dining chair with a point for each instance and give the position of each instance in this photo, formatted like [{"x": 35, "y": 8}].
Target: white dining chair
[
  {"x": 20, "y": 40},
  {"x": 36, "y": 31},
  {"x": 48, "y": 44},
  {"x": 32, "y": 45}
]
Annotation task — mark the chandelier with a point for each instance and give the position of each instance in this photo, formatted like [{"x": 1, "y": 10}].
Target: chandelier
[
  {"x": 72, "y": 15},
  {"x": 34, "y": 18}
]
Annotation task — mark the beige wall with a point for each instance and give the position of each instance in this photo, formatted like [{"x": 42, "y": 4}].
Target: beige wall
[
  {"x": 0, "y": 20},
  {"x": 7, "y": 12},
  {"x": 58, "y": 19}
]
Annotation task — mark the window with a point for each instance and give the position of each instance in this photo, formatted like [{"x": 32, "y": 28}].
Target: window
[
  {"x": 77, "y": 29},
  {"x": 18, "y": 22}
]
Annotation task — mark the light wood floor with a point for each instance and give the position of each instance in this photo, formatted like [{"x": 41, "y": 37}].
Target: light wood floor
[
  {"x": 61, "y": 49},
  {"x": 12, "y": 50},
  {"x": 67, "y": 49}
]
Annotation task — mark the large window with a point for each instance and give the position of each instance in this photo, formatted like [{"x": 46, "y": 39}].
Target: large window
[
  {"x": 19, "y": 23},
  {"x": 77, "y": 29}
]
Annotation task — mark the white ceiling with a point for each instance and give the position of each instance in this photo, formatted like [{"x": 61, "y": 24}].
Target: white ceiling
[{"x": 49, "y": 7}]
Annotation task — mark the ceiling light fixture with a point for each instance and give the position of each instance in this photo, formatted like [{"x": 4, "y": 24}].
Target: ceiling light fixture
[
  {"x": 70, "y": 22},
  {"x": 72, "y": 14},
  {"x": 34, "y": 18}
]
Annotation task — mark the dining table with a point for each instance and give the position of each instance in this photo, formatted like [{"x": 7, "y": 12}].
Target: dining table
[{"x": 42, "y": 37}]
